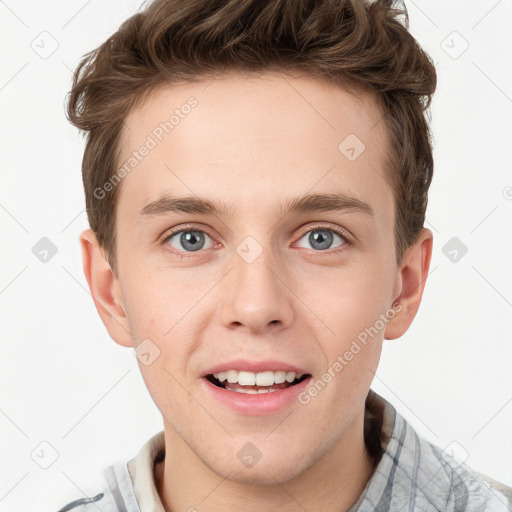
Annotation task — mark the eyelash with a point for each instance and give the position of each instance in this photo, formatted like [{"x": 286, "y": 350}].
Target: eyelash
[{"x": 347, "y": 239}]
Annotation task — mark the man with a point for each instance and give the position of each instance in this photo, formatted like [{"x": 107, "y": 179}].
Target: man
[{"x": 256, "y": 177}]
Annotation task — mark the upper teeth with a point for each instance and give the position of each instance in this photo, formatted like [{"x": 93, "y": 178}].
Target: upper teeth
[{"x": 257, "y": 379}]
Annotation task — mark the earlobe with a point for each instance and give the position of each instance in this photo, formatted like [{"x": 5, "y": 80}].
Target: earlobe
[
  {"x": 105, "y": 289},
  {"x": 413, "y": 277}
]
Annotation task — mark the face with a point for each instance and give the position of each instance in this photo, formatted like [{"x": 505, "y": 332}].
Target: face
[{"x": 258, "y": 278}]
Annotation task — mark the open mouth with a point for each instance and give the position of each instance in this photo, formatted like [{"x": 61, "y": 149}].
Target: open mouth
[{"x": 239, "y": 388}]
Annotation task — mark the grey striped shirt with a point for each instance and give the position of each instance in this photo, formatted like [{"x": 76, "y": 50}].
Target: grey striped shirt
[
  {"x": 410, "y": 474},
  {"x": 414, "y": 475}
]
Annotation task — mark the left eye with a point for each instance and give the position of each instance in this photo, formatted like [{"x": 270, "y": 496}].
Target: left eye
[
  {"x": 322, "y": 238},
  {"x": 190, "y": 240}
]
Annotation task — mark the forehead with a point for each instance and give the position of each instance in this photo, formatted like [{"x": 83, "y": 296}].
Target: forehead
[{"x": 254, "y": 139}]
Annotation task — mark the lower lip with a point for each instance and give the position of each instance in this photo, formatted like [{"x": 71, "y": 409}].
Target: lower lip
[{"x": 257, "y": 404}]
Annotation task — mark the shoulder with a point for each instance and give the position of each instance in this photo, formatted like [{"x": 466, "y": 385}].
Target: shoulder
[
  {"x": 88, "y": 503},
  {"x": 126, "y": 486},
  {"x": 440, "y": 479},
  {"x": 494, "y": 485},
  {"x": 413, "y": 473},
  {"x": 113, "y": 494}
]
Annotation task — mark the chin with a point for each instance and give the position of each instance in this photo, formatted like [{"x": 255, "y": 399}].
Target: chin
[
  {"x": 269, "y": 475},
  {"x": 276, "y": 470}
]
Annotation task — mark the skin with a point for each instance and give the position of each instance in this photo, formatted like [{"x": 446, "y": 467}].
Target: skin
[{"x": 255, "y": 142}]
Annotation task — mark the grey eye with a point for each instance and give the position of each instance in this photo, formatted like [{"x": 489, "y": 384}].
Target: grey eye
[
  {"x": 322, "y": 239},
  {"x": 188, "y": 240}
]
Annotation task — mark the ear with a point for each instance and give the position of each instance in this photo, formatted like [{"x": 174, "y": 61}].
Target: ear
[
  {"x": 410, "y": 282},
  {"x": 105, "y": 289}
]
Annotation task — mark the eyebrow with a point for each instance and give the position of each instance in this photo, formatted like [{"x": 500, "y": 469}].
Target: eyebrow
[{"x": 328, "y": 202}]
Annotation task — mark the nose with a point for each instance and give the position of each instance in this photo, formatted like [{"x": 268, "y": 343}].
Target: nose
[{"x": 257, "y": 296}]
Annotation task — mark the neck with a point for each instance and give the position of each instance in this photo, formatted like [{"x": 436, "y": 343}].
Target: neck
[{"x": 333, "y": 483}]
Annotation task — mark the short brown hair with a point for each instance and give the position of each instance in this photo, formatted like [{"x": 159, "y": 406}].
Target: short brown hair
[{"x": 352, "y": 43}]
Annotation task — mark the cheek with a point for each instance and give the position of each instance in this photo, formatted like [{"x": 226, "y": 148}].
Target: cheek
[
  {"x": 157, "y": 300},
  {"x": 346, "y": 299},
  {"x": 347, "y": 309},
  {"x": 168, "y": 388},
  {"x": 166, "y": 313}
]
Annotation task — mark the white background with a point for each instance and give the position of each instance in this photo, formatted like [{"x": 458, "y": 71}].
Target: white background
[{"x": 66, "y": 383}]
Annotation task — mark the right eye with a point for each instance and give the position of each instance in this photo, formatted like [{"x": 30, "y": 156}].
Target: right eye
[{"x": 189, "y": 240}]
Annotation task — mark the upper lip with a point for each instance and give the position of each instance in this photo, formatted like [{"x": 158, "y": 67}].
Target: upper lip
[{"x": 254, "y": 366}]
